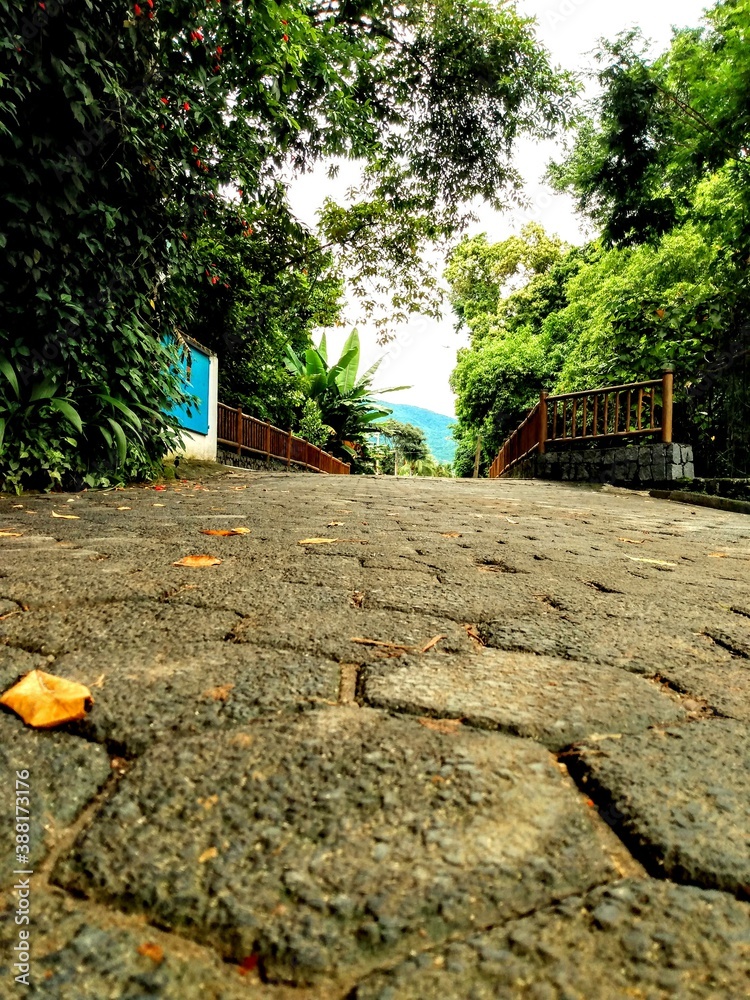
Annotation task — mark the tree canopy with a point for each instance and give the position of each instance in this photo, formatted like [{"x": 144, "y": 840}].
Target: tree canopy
[
  {"x": 144, "y": 166},
  {"x": 660, "y": 163}
]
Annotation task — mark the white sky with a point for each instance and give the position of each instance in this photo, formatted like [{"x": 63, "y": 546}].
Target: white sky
[{"x": 424, "y": 352}]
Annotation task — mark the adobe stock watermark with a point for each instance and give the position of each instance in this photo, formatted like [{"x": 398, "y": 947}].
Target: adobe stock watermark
[
  {"x": 23, "y": 872},
  {"x": 562, "y": 12}
]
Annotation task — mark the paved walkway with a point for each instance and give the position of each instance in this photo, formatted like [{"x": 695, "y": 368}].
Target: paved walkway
[{"x": 491, "y": 742}]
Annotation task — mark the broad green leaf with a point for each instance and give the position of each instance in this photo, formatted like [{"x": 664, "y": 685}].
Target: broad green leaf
[
  {"x": 122, "y": 441},
  {"x": 68, "y": 411},
  {"x": 43, "y": 390},
  {"x": 123, "y": 408},
  {"x": 10, "y": 373}
]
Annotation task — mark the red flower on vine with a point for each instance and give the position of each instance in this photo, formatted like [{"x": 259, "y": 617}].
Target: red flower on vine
[
  {"x": 137, "y": 10},
  {"x": 186, "y": 106},
  {"x": 164, "y": 100}
]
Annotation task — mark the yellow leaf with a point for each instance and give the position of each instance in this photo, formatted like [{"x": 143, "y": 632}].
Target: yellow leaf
[
  {"x": 124, "y": 508},
  {"x": 44, "y": 700},
  {"x": 197, "y": 562},
  {"x": 10, "y": 534},
  {"x": 208, "y": 855},
  {"x": 317, "y": 541},
  {"x": 68, "y": 517},
  {"x": 225, "y": 532}
]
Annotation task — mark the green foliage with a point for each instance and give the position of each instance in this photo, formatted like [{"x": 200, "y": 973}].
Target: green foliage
[
  {"x": 311, "y": 426},
  {"x": 126, "y": 142},
  {"x": 344, "y": 399},
  {"x": 409, "y": 442},
  {"x": 660, "y": 162}
]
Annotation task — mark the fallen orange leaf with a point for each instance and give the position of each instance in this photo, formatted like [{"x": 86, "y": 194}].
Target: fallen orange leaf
[
  {"x": 451, "y": 534},
  {"x": 44, "y": 700},
  {"x": 160, "y": 488},
  {"x": 68, "y": 517},
  {"x": 208, "y": 855},
  {"x": 717, "y": 555},
  {"x": 225, "y": 532},
  {"x": 198, "y": 562},
  {"x": 153, "y": 951}
]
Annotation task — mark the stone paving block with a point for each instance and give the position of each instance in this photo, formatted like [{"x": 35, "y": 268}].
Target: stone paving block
[
  {"x": 65, "y": 773},
  {"x": 77, "y": 954},
  {"x": 159, "y": 692},
  {"x": 680, "y": 798},
  {"x": 15, "y": 663},
  {"x": 335, "y": 841},
  {"x": 724, "y": 685},
  {"x": 135, "y": 624},
  {"x": 330, "y": 635},
  {"x": 556, "y": 702},
  {"x": 633, "y": 939}
]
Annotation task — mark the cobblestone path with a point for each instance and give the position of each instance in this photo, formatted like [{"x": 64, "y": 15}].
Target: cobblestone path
[{"x": 487, "y": 740}]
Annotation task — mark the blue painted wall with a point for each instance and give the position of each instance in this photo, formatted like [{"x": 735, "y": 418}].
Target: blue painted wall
[{"x": 195, "y": 418}]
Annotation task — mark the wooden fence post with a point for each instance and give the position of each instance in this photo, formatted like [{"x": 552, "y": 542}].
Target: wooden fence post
[
  {"x": 268, "y": 444},
  {"x": 239, "y": 430},
  {"x": 289, "y": 448},
  {"x": 478, "y": 457},
  {"x": 666, "y": 406},
  {"x": 543, "y": 423}
]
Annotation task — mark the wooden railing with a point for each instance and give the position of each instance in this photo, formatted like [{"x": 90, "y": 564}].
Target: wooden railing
[
  {"x": 247, "y": 434},
  {"x": 615, "y": 411}
]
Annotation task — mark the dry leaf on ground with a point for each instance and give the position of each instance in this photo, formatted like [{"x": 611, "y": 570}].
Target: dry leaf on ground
[
  {"x": 218, "y": 693},
  {"x": 651, "y": 562},
  {"x": 44, "y": 700},
  {"x": 68, "y": 517},
  {"x": 317, "y": 541},
  {"x": 432, "y": 643},
  {"x": 197, "y": 562},
  {"x": 473, "y": 634},
  {"x": 335, "y": 524},
  {"x": 717, "y": 555},
  {"x": 448, "y": 726},
  {"x": 153, "y": 951},
  {"x": 357, "y": 599},
  {"x": 208, "y": 855},
  {"x": 124, "y": 508},
  {"x": 633, "y": 541},
  {"x": 384, "y": 645},
  {"x": 451, "y": 534},
  {"x": 10, "y": 534},
  {"x": 225, "y": 532}
]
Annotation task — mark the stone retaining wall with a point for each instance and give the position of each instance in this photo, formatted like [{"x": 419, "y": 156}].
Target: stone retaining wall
[
  {"x": 256, "y": 462},
  {"x": 636, "y": 465}
]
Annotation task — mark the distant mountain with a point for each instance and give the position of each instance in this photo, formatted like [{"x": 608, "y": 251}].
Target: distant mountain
[{"x": 436, "y": 427}]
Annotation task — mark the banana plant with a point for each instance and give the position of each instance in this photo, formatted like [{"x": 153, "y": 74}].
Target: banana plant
[{"x": 345, "y": 399}]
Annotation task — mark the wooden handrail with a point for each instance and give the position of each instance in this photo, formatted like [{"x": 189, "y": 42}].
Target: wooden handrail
[
  {"x": 243, "y": 433},
  {"x": 572, "y": 424}
]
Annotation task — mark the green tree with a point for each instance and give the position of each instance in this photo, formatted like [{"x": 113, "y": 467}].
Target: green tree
[
  {"x": 121, "y": 138},
  {"x": 344, "y": 398}
]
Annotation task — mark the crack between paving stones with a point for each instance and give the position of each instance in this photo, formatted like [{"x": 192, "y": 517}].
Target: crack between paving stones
[
  {"x": 476, "y": 930},
  {"x": 728, "y": 643},
  {"x": 641, "y": 850}
]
